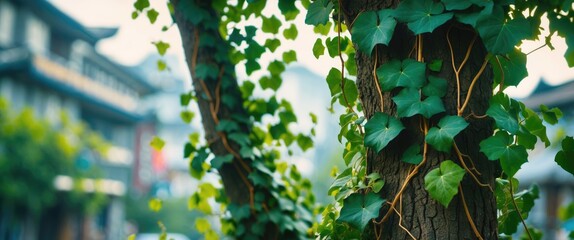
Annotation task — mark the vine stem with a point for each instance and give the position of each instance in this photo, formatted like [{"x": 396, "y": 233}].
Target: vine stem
[
  {"x": 517, "y": 210},
  {"x": 459, "y": 154},
  {"x": 469, "y": 94},
  {"x": 459, "y": 68},
  {"x": 472, "y": 225},
  {"x": 377, "y": 80},
  {"x": 408, "y": 178},
  {"x": 401, "y": 218}
]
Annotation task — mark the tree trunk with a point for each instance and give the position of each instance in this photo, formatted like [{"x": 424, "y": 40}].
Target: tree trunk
[
  {"x": 422, "y": 216},
  {"x": 209, "y": 91}
]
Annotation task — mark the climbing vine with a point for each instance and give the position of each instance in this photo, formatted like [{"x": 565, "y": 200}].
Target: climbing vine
[{"x": 219, "y": 35}]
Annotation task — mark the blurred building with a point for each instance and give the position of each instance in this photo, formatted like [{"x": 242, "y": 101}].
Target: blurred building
[
  {"x": 48, "y": 61},
  {"x": 555, "y": 184}
]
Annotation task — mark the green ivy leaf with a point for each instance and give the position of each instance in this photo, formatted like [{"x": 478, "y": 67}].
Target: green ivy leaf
[
  {"x": 333, "y": 45},
  {"x": 161, "y": 65},
  {"x": 408, "y": 73},
  {"x": 412, "y": 155},
  {"x": 251, "y": 66},
  {"x": 140, "y": 5},
  {"x": 152, "y": 15},
  {"x": 511, "y": 70},
  {"x": 318, "y": 12},
  {"x": 291, "y": 32},
  {"x": 409, "y": 104},
  {"x": 276, "y": 68},
  {"x": 422, "y": 16},
  {"x": 534, "y": 125},
  {"x": 495, "y": 146},
  {"x": 351, "y": 92},
  {"x": 157, "y": 143},
  {"x": 272, "y": 44},
  {"x": 270, "y": 82},
  {"x": 227, "y": 126},
  {"x": 161, "y": 47},
  {"x": 457, "y": 4},
  {"x": 318, "y": 48},
  {"x": 218, "y": 161},
  {"x": 550, "y": 115},
  {"x": 359, "y": 209},
  {"x": 254, "y": 50},
  {"x": 435, "y": 65},
  {"x": 271, "y": 24},
  {"x": 442, "y": 182},
  {"x": 508, "y": 219},
  {"x": 380, "y": 130},
  {"x": 206, "y": 71},
  {"x": 513, "y": 158},
  {"x": 187, "y": 116},
  {"x": 372, "y": 28},
  {"x": 289, "y": 56},
  {"x": 503, "y": 118},
  {"x": 340, "y": 181},
  {"x": 442, "y": 137},
  {"x": 500, "y": 147},
  {"x": 304, "y": 142},
  {"x": 323, "y": 29},
  {"x": 565, "y": 157},
  {"x": 436, "y": 87},
  {"x": 501, "y": 35},
  {"x": 334, "y": 81}
]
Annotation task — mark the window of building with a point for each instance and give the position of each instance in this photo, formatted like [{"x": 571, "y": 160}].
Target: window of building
[
  {"x": 37, "y": 34},
  {"x": 7, "y": 16}
]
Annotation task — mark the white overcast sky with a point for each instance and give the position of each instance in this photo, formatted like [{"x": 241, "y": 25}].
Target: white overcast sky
[{"x": 133, "y": 41}]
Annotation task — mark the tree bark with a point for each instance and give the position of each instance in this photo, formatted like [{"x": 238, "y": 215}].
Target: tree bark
[{"x": 422, "y": 216}]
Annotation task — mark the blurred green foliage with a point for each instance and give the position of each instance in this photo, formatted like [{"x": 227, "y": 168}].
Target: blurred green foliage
[{"x": 33, "y": 152}]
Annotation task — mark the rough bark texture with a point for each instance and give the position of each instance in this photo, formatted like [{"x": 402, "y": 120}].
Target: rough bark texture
[{"x": 424, "y": 217}]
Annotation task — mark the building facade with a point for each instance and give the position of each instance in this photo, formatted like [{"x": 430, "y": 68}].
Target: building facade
[{"x": 48, "y": 61}]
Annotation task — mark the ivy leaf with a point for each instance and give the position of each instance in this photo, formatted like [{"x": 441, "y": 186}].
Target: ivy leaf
[
  {"x": 501, "y": 35},
  {"x": 435, "y": 87},
  {"x": 289, "y": 56},
  {"x": 140, "y": 5},
  {"x": 408, "y": 73},
  {"x": 318, "y": 12},
  {"x": 341, "y": 180},
  {"x": 495, "y": 146},
  {"x": 157, "y": 143},
  {"x": 372, "y": 28},
  {"x": 511, "y": 70},
  {"x": 291, "y": 32},
  {"x": 359, "y": 209},
  {"x": 152, "y": 15},
  {"x": 271, "y": 24},
  {"x": 187, "y": 116},
  {"x": 550, "y": 115},
  {"x": 318, "y": 48},
  {"x": 503, "y": 117},
  {"x": 412, "y": 155},
  {"x": 534, "y": 125},
  {"x": 380, "y": 130},
  {"x": 422, "y": 16},
  {"x": 304, "y": 142},
  {"x": 565, "y": 157},
  {"x": 161, "y": 47},
  {"x": 218, "y": 161},
  {"x": 508, "y": 219},
  {"x": 513, "y": 158},
  {"x": 272, "y": 44},
  {"x": 334, "y": 81},
  {"x": 206, "y": 71},
  {"x": 409, "y": 104},
  {"x": 441, "y": 137},
  {"x": 435, "y": 65},
  {"x": 456, "y": 4},
  {"x": 442, "y": 182}
]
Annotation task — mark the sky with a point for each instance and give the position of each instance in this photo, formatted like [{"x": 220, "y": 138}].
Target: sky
[{"x": 133, "y": 41}]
